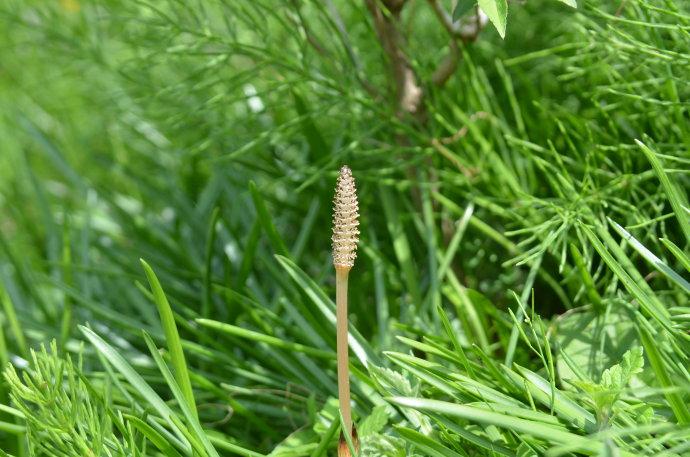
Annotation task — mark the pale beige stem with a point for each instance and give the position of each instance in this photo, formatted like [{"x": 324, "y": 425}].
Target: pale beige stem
[{"x": 341, "y": 274}]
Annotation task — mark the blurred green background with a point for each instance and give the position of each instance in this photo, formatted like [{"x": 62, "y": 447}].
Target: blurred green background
[{"x": 205, "y": 138}]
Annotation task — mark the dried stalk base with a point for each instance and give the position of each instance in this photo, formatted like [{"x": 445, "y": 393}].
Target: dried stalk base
[{"x": 343, "y": 450}]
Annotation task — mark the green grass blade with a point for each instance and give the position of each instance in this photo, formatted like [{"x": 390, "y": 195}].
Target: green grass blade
[
  {"x": 678, "y": 253},
  {"x": 431, "y": 447},
  {"x": 358, "y": 343},
  {"x": 210, "y": 243},
  {"x": 172, "y": 337},
  {"x": 550, "y": 434},
  {"x": 587, "y": 280},
  {"x": 401, "y": 245},
  {"x": 520, "y": 315},
  {"x": 152, "y": 435},
  {"x": 267, "y": 221},
  {"x": 326, "y": 439},
  {"x": 675, "y": 195},
  {"x": 651, "y": 258},
  {"x": 270, "y": 340},
  {"x": 185, "y": 405},
  {"x": 675, "y": 399},
  {"x": 15, "y": 326},
  {"x": 648, "y": 301},
  {"x": 113, "y": 357}
]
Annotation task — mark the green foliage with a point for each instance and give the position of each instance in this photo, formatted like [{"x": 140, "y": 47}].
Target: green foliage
[
  {"x": 497, "y": 11},
  {"x": 63, "y": 413},
  {"x": 522, "y": 280},
  {"x": 613, "y": 382}
]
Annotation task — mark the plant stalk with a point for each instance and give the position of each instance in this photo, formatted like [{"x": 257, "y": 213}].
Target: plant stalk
[{"x": 341, "y": 275}]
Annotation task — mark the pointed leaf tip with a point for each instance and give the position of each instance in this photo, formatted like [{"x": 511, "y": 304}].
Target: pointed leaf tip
[{"x": 497, "y": 12}]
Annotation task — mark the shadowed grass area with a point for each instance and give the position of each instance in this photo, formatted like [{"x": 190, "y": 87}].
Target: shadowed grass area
[{"x": 521, "y": 286}]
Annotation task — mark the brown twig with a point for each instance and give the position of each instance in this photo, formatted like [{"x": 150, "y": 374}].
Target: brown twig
[
  {"x": 408, "y": 91},
  {"x": 448, "y": 66},
  {"x": 466, "y": 30}
]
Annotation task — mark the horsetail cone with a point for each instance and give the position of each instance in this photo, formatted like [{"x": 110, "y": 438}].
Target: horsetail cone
[
  {"x": 345, "y": 220},
  {"x": 345, "y": 238}
]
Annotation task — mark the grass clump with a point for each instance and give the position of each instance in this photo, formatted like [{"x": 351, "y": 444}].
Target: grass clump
[{"x": 522, "y": 280}]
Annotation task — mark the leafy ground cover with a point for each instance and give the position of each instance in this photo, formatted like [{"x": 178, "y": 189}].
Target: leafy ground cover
[{"x": 167, "y": 168}]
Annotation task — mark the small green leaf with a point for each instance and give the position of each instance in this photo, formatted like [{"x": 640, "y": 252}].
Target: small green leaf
[
  {"x": 572, "y": 3},
  {"x": 463, "y": 7},
  {"x": 497, "y": 11},
  {"x": 374, "y": 422}
]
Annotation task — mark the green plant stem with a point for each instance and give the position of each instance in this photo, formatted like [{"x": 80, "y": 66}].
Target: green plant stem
[
  {"x": 15, "y": 326},
  {"x": 66, "y": 324},
  {"x": 341, "y": 274}
]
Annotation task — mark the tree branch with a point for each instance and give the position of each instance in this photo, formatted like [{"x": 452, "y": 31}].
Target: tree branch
[
  {"x": 465, "y": 30},
  {"x": 408, "y": 91}
]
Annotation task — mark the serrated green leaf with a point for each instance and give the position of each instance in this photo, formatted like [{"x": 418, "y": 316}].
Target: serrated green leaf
[{"x": 374, "y": 422}]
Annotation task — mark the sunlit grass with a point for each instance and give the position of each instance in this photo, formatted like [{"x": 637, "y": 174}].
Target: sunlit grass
[{"x": 521, "y": 286}]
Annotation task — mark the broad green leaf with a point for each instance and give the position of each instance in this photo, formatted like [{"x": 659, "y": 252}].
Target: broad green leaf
[
  {"x": 618, "y": 376},
  {"x": 299, "y": 443},
  {"x": 497, "y": 11},
  {"x": 592, "y": 341}
]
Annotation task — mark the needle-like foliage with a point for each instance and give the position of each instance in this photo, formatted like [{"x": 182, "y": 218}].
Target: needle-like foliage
[{"x": 522, "y": 286}]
